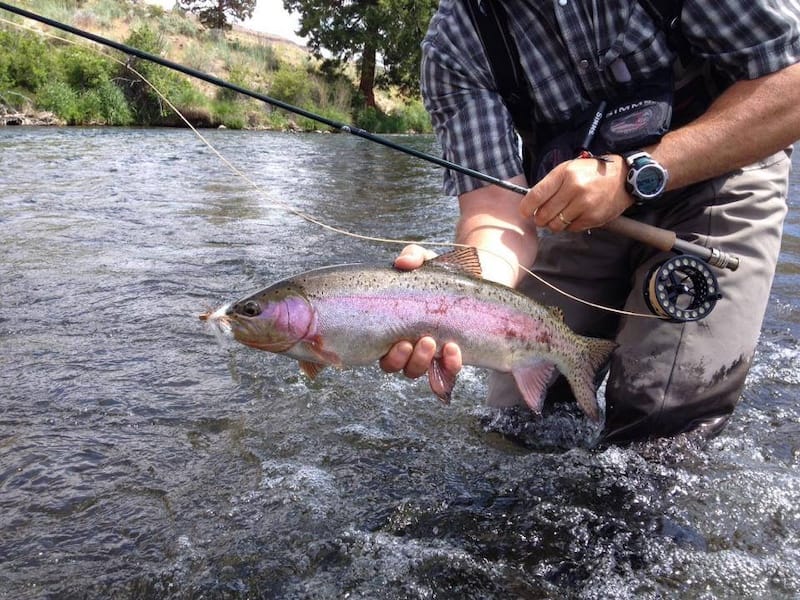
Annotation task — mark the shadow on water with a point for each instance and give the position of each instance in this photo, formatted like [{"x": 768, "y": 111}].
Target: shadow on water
[{"x": 140, "y": 459}]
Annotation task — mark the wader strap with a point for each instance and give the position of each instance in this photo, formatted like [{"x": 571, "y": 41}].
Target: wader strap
[
  {"x": 490, "y": 23},
  {"x": 694, "y": 94},
  {"x": 667, "y": 15}
]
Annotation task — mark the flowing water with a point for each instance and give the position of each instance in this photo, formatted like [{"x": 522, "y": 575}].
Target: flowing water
[{"x": 141, "y": 459}]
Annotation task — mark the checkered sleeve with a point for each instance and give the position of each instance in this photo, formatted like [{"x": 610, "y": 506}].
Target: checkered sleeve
[
  {"x": 746, "y": 38},
  {"x": 471, "y": 122}
]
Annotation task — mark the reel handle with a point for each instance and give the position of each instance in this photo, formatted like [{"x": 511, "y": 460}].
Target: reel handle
[{"x": 668, "y": 241}]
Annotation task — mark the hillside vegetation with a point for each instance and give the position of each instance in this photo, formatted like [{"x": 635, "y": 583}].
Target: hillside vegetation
[{"x": 80, "y": 83}]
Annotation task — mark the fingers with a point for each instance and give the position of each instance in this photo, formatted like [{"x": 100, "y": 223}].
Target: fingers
[
  {"x": 534, "y": 205},
  {"x": 412, "y": 257},
  {"x": 555, "y": 215},
  {"x": 414, "y": 360},
  {"x": 451, "y": 358},
  {"x": 420, "y": 360},
  {"x": 576, "y": 195},
  {"x": 397, "y": 357},
  {"x": 546, "y": 205},
  {"x": 560, "y": 223},
  {"x": 579, "y": 194}
]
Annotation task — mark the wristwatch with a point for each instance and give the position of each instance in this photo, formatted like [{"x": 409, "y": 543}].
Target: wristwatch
[{"x": 646, "y": 179}]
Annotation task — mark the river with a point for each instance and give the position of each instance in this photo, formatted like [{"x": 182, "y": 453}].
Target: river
[{"x": 139, "y": 458}]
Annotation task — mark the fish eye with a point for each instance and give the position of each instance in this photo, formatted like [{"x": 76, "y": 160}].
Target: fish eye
[{"x": 251, "y": 309}]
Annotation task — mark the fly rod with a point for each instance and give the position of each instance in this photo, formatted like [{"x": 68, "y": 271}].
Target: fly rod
[{"x": 656, "y": 237}]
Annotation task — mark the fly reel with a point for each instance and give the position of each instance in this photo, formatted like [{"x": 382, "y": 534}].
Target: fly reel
[{"x": 681, "y": 289}]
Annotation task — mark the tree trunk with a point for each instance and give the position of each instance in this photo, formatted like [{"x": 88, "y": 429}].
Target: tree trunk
[
  {"x": 221, "y": 19},
  {"x": 367, "y": 83}
]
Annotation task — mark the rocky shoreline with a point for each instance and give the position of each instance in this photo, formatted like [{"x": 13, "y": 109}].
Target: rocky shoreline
[{"x": 11, "y": 118}]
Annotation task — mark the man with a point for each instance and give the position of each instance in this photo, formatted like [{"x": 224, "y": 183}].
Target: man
[{"x": 726, "y": 172}]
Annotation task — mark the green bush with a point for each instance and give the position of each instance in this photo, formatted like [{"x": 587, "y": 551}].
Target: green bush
[
  {"x": 153, "y": 11},
  {"x": 58, "y": 10},
  {"x": 194, "y": 56},
  {"x": 83, "y": 87},
  {"x": 230, "y": 114},
  {"x": 83, "y": 68},
  {"x": 147, "y": 104},
  {"x": 237, "y": 75},
  {"x": 270, "y": 119},
  {"x": 411, "y": 117},
  {"x": 184, "y": 94},
  {"x": 59, "y": 98},
  {"x": 334, "y": 114},
  {"x": 113, "y": 107},
  {"x": 290, "y": 86},
  {"x": 107, "y": 11},
  {"x": 103, "y": 105},
  {"x": 25, "y": 60},
  {"x": 369, "y": 118},
  {"x": 174, "y": 22},
  {"x": 263, "y": 56}
]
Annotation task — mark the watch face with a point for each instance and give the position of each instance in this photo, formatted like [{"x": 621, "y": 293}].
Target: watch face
[{"x": 650, "y": 181}]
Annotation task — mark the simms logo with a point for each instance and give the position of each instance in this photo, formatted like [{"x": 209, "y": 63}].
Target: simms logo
[{"x": 620, "y": 110}]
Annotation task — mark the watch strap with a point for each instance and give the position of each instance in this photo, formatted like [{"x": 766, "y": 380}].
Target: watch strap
[{"x": 632, "y": 157}]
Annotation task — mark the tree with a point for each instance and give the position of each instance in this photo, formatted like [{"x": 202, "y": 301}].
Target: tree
[
  {"x": 366, "y": 31},
  {"x": 214, "y": 14},
  {"x": 401, "y": 57}
]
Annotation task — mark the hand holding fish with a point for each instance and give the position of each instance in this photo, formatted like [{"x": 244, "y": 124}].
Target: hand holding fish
[
  {"x": 415, "y": 359},
  {"x": 490, "y": 218}
]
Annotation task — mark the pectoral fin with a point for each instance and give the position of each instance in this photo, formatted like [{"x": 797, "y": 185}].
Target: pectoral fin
[
  {"x": 442, "y": 381},
  {"x": 311, "y": 369},
  {"x": 323, "y": 358},
  {"x": 532, "y": 380}
]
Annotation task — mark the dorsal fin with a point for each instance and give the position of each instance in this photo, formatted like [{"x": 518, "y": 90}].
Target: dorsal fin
[{"x": 464, "y": 260}]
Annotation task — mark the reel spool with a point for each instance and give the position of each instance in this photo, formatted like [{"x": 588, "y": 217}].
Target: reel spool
[{"x": 682, "y": 289}]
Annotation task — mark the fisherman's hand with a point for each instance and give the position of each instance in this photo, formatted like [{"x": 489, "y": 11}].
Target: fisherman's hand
[
  {"x": 412, "y": 257},
  {"x": 580, "y": 194},
  {"x": 415, "y": 359}
]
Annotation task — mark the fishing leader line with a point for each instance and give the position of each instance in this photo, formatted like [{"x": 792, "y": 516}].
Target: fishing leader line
[{"x": 298, "y": 213}]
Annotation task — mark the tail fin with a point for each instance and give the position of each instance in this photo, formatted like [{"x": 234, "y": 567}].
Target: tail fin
[{"x": 594, "y": 354}]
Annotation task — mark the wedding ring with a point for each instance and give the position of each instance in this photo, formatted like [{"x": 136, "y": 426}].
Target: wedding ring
[{"x": 563, "y": 220}]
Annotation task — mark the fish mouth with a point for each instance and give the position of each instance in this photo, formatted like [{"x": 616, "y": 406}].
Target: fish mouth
[{"x": 218, "y": 319}]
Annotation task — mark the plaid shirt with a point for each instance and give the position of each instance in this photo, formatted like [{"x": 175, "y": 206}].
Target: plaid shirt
[{"x": 567, "y": 49}]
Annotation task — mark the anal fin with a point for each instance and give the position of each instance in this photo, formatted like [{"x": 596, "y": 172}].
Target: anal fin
[{"x": 533, "y": 380}]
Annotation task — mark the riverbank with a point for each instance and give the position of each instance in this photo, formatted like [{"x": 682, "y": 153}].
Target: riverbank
[
  {"x": 33, "y": 118},
  {"x": 10, "y": 118},
  {"x": 78, "y": 84}
]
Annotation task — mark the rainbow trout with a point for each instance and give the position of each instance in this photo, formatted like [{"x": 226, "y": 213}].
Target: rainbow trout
[{"x": 350, "y": 315}]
